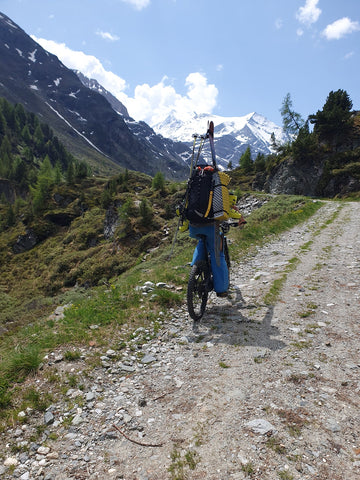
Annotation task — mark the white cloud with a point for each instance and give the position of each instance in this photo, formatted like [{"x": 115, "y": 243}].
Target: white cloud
[
  {"x": 349, "y": 55},
  {"x": 309, "y": 13},
  {"x": 107, "y": 36},
  {"x": 340, "y": 28},
  {"x": 138, "y": 4},
  {"x": 219, "y": 67},
  {"x": 154, "y": 104},
  {"x": 87, "y": 64},
  {"x": 151, "y": 104},
  {"x": 278, "y": 23}
]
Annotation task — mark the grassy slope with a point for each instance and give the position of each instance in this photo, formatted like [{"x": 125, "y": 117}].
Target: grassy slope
[{"x": 115, "y": 306}]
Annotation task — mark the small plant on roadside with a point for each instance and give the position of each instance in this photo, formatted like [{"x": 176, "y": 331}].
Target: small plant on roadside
[
  {"x": 274, "y": 443},
  {"x": 258, "y": 359},
  {"x": 191, "y": 459},
  {"x": 223, "y": 365},
  {"x": 179, "y": 463},
  {"x": 285, "y": 475},
  {"x": 72, "y": 380},
  {"x": 248, "y": 469},
  {"x": 176, "y": 468},
  {"x": 71, "y": 355},
  {"x": 312, "y": 328},
  {"x": 37, "y": 400}
]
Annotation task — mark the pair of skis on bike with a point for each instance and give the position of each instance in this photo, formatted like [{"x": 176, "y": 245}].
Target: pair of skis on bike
[{"x": 200, "y": 282}]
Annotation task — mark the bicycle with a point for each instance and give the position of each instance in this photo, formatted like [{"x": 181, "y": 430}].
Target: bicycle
[{"x": 200, "y": 282}]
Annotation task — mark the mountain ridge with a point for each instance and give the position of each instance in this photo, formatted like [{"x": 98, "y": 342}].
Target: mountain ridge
[
  {"x": 233, "y": 135},
  {"x": 81, "y": 117}
]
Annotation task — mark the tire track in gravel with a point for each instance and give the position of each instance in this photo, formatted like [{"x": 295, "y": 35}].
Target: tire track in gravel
[
  {"x": 290, "y": 366},
  {"x": 254, "y": 391}
]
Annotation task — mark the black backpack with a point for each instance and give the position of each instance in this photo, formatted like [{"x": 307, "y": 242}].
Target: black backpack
[
  {"x": 199, "y": 204},
  {"x": 207, "y": 195}
]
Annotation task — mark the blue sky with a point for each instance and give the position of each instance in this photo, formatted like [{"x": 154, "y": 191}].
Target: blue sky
[{"x": 228, "y": 57}]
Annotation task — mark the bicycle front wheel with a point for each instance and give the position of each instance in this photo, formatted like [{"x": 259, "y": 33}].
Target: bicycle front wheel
[{"x": 198, "y": 290}]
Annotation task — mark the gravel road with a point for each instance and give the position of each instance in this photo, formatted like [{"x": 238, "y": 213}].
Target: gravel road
[{"x": 252, "y": 391}]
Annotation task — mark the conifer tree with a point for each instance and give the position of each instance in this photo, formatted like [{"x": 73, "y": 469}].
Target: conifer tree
[
  {"x": 20, "y": 116},
  {"x": 57, "y": 173},
  {"x": 334, "y": 122},
  {"x": 25, "y": 133},
  {"x": 39, "y": 138},
  {"x": 2, "y": 126},
  {"x": 158, "y": 182},
  {"x": 10, "y": 218},
  {"x": 146, "y": 212},
  {"x": 292, "y": 121},
  {"x": 41, "y": 191},
  {"x": 259, "y": 162},
  {"x": 245, "y": 161},
  {"x": 305, "y": 147},
  {"x": 5, "y": 157},
  {"x": 70, "y": 174}
]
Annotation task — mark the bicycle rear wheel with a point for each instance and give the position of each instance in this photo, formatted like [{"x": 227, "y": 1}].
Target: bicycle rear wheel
[
  {"x": 198, "y": 290},
  {"x": 227, "y": 257}
]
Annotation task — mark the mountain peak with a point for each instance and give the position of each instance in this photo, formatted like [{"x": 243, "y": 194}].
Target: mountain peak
[{"x": 233, "y": 135}]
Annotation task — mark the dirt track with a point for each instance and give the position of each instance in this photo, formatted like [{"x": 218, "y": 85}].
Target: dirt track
[
  {"x": 295, "y": 365},
  {"x": 253, "y": 391}
]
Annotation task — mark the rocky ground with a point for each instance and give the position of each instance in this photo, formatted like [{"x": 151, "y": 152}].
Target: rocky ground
[{"x": 252, "y": 391}]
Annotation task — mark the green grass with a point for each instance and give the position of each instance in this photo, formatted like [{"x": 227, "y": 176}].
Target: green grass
[
  {"x": 223, "y": 365},
  {"x": 113, "y": 306},
  {"x": 279, "y": 214}
]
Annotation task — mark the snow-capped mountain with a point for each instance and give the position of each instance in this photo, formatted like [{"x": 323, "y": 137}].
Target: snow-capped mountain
[
  {"x": 233, "y": 135},
  {"x": 171, "y": 151},
  {"x": 82, "y": 117},
  {"x": 93, "y": 124}
]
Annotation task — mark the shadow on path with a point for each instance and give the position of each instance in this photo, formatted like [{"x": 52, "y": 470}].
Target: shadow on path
[{"x": 236, "y": 324}]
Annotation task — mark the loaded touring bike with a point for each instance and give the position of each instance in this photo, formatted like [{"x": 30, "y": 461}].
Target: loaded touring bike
[{"x": 200, "y": 282}]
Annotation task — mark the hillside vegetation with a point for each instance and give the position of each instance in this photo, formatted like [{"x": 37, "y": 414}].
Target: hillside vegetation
[
  {"x": 69, "y": 238},
  {"x": 323, "y": 161}
]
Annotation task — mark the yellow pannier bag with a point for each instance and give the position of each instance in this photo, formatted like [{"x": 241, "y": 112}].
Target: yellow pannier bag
[{"x": 221, "y": 201}]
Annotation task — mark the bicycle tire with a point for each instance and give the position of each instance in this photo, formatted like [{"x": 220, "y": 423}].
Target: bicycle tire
[{"x": 198, "y": 290}]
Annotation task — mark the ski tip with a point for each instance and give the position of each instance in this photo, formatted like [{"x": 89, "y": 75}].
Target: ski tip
[{"x": 211, "y": 128}]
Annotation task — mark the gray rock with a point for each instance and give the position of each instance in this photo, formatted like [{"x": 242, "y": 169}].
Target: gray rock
[
  {"x": 43, "y": 450},
  {"x": 23, "y": 457},
  {"x": 127, "y": 418},
  {"x": 48, "y": 418},
  {"x": 333, "y": 426},
  {"x": 25, "y": 242},
  {"x": 10, "y": 462},
  {"x": 77, "y": 420},
  {"x": 126, "y": 368},
  {"x": 148, "y": 359},
  {"x": 260, "y": 426},
  {"x": 111, "y": 222},
  {"x": 90, "y": 396}
]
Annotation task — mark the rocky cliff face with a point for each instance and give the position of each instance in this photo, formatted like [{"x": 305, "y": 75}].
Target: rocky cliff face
[
  {"x": 293, "y": 179},
  {"x": 329, "y": 170},
  {"x": 309, "y": 179}
]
